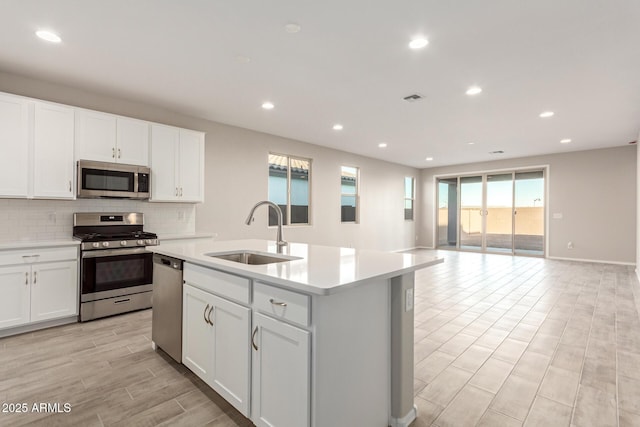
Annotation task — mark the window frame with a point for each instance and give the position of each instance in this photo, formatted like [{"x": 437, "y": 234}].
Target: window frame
[
  {"x": 287, "y": 213},
  {"x": 357, "y": 195},
  {"x": 412, "y": 199}
]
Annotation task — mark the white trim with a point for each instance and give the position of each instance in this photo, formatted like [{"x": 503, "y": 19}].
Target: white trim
[
  {"x": 30, "y": 327},
  {"x": 406, "y": 420},
  {"x": 410, "y": 249},
  {"x": 598, "y": 261},
  {"x": 511, "y": 169}
]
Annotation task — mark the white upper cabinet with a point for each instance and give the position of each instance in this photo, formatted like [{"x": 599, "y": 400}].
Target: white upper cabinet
[
  {"x": 132, "y": 141},
  {"x": 107, "y": 138},
  {"x": 177, "y": 164},
  {"x": 191, "y": 166},
  {"x": 53, "y": 163},
  {"x": 14, "y": 144}
]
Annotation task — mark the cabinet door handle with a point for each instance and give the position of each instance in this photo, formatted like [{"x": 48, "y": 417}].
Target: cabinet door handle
[
  {"x": 35, "y": 277},
  {"x": 253, "y": 336},
  {"x": 180, "y": 191},
  {"x": 26, "y": 278},
  {"x": 119, "y": 153},
  {"x": 205, "y": 314},
  {"x": 278, "y": 303},
  {"x": 209, "y": 315},
  {"x": 69, "y": 186},
  {"x": 113, "y": 153},
  {"x": 177, "y": 192}
]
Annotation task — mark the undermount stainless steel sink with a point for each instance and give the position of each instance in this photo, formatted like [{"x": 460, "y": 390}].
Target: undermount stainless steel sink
[{"x": 251, "y": 258}]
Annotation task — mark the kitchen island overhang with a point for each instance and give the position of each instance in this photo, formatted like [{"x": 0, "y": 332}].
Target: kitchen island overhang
[{"x": 360, "y": 322}]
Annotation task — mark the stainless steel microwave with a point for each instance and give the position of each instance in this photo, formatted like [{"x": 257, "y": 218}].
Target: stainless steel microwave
[{"x": 112, "y": 180}]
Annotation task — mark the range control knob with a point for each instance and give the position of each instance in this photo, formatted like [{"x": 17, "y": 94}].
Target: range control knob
[
  {"x": 148, "y": 241},
  {"x": 95, "y": 244},
  {"x": 123, "y": 243},
  {"x": 140, "y": 242},
  {"x": 105, "y": 244}
]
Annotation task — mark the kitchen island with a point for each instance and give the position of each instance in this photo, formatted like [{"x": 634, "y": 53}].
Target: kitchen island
[{"x": 316, "y": 336}]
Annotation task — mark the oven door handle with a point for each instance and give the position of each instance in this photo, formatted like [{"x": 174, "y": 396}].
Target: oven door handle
[{"x": 114, "y": 252}]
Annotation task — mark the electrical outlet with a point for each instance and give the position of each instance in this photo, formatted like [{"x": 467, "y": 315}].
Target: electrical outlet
[
  {"x": 569, "y": 245},
  {"x": 51, "y": 216},
  {"x": 181, "y": 215},
  {"x": 408, "y": 303}
]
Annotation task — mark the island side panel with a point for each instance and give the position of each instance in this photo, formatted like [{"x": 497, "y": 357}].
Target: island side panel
[
  {"x": 351, "y": 366},
  {"x": 403, "y": 411}
]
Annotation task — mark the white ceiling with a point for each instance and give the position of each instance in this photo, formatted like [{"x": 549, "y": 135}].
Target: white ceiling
[{"x": 351, "y": 64}]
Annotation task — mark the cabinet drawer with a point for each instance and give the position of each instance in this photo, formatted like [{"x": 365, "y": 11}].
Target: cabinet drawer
[
  {"x": 282, "y": 304},
  {"x": 217, "y": 282},
  {"x": 30, "y": 256}
]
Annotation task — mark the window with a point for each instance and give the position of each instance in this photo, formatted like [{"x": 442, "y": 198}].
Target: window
[
  {"x": 349, "y": 194},
  {"x": 289, "y": 188},
  {"x": 409, "y": 197}
]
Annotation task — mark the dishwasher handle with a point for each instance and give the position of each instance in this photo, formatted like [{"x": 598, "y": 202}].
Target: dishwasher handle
[{"x": 166, "y": 261}]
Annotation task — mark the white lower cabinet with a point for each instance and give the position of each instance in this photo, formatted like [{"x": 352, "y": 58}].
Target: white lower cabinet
[
  {"x": 14, "y": 295},
  {"x": 280, "y": 383},
  {"x": 215, "y": 344},
  {"x": 54, "y": 290},
  {"x": 32, "y": 291}
]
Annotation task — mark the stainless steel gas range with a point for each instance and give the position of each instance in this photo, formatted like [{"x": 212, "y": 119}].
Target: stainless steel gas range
[{"x": 116, "y": 269}]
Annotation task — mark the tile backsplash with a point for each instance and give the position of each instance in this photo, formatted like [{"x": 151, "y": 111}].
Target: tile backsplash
[{"x": 22, "y": 219}]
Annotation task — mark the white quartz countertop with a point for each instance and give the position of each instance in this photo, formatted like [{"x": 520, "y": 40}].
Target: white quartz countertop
[
  {"x": 320, "y": 270},
  {"x": 27, "y": 244},
  {"x": 169, "y": 237}
]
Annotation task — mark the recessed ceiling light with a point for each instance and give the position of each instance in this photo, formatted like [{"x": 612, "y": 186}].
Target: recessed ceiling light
[
  {"x": 547, "y": 114},
  {"x": 471, "y": 143},
  {"x": 428, "y": 159},
  {"x": 292, "y": 28},
  {"x": 418, "y": 43},
  {"x": 48, "y": 36},
  {"x": 242, "y": 59},
  {"x": 565, "y": 141},
  {"x": 382, "y": 145},
  {"x": 474, "y": 90},
  {"x": 338, "y": 126},
  {"x": 268, "y": 106}
]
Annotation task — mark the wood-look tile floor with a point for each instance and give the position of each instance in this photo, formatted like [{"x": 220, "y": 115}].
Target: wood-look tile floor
[{"x": 500, "y": 341}]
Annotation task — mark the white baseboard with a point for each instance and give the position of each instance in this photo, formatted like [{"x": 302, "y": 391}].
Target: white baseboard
[
  {"x": 36, "y": 326},
  {"x": 406, "y": 420},
  {"x": 411, "y": 249},
  {"x": 597, "y": 261}
]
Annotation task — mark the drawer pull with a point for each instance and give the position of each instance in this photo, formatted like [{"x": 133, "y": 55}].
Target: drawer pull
[
  {"x": 209, "y": 316},
  {"x": 253, "y": 336},
  {"x": 122, "y": 301},
  {"x": 205, "y": 314},
  {"x": 278, "y": 303}
]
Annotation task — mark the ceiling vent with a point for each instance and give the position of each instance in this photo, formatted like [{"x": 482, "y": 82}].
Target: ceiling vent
[
  {"x": 413, "y": 98},
  {"x": 496, "y": 152}
]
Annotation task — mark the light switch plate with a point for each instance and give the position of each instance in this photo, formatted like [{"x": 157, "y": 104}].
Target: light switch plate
[{"x": 408, "y": 303}]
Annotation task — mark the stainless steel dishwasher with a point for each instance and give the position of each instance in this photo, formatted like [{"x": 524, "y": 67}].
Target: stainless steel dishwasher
[{"x": 166, "y": 326}]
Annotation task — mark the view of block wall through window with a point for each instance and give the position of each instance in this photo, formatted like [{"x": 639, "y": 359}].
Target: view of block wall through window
[
  {"x": 349, "y": 194},
  {"x": 409, "y": 197},
  {"x": 289, "y": 188}
]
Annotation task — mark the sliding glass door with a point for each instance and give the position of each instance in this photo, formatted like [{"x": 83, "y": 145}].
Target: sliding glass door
[
  {"x": 497, "y": 212},
  {"x": 448, "y": 213},
  {"x": 471, "y": 210},
  {"x": 529, "y": 213}
]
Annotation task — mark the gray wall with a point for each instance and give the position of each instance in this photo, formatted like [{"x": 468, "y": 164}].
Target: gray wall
[
  {"x": 594, "y": 190},
  {"x": 236, "y": 176}
]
